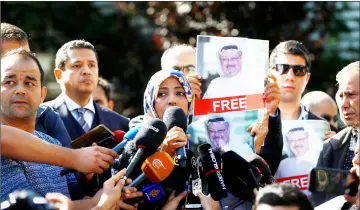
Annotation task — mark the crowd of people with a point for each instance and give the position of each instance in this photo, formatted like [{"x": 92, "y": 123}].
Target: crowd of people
[{"x": 36, "y": 135}]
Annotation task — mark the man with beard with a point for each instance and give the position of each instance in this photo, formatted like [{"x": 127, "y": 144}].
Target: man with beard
[
  {"x": 219, "y": 135},
  {"x": 231, "y": 81},
  {"x": 303, "y": 157}
]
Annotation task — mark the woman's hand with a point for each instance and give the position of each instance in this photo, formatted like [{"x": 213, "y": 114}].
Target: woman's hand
[{"x": 175, "y": 138}]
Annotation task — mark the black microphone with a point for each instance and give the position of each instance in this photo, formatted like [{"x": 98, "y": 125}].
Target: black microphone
[
  {"x": 179, "y": 176},
  {"x": 264, "y": 168},
  {"x": 129, "y": 136},
  {"x": 241, "y": 177},
  {"x": 175, "y": 116},
  {"x": 211, "y": 170},
  {"x": 147, "y": 140}
]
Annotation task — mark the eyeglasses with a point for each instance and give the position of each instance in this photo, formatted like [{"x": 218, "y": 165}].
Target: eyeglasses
[
  {"x": 329, "y": 118},
  {"x": 298, "y": 70},
  {"x": 185, "y": 69}
]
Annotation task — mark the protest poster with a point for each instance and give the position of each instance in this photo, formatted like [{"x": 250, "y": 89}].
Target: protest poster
[
  {"x": 302, "y": 146},
  {"x": 233, "y": 71}
]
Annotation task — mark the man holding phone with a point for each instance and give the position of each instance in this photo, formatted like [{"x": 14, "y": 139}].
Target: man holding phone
[{"x": 338, "y": 151}]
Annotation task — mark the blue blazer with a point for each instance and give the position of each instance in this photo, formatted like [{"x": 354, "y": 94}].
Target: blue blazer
[
  {"x": 50, "y": 123},
  {"x": 110, "y": 119}
]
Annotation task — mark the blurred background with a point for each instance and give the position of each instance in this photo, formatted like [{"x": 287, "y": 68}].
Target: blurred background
[{"x": 130, "y": 37}]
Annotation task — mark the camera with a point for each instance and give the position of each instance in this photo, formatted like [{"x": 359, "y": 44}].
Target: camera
[{"x": 26, "y": 199}]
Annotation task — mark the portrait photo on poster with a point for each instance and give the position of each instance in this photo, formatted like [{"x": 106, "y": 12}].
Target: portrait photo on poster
[
  {"x": 233, "y": 71},
  {"x": 226, "y": 131},
  {"x": 302, "y": 146}
]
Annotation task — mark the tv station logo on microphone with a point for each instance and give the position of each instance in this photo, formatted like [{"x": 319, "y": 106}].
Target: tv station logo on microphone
[
  {"x": 148, "y": 126},
  {"x": 156, "y": 163}
]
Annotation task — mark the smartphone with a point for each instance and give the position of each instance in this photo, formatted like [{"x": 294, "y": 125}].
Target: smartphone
[
  {"x": 100, "y": 135},
  {"x": 191, "y": 200},
  {"x": 328, "y": 180}
]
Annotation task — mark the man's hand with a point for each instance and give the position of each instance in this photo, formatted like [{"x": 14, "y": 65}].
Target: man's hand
[
  {"x": 93, "y": 159},
  {"x": 271, "y": 95},
  {"x": 207, "y": 202},
  {"x": 175, "y": 138},
  {"x": 60, "y": 201},
  {"x": 111, "y": 192},
  {"x": 173, "y": 202},
  {"x": 195, "y": 83},
  {"x": 329, "y": 134},
  {"x": 259, "y": 130}
]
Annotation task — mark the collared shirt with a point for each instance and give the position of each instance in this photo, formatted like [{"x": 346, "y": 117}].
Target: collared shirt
[
  {"x": 73, "y": 106},
  {"x": 42, "y": 178},
  {"x": 304, "y": 114}
]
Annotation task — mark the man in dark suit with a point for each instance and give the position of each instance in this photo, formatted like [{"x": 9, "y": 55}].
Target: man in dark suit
[
  {"x": 290, "y": 63},
  {"x": 338, "y": 151},
  {"x": 76, "y": 70}
]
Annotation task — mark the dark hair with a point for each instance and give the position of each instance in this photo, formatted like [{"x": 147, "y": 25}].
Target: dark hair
[
  {"x": 106, "y": 86},
  {"x": 282, "y": 194},
  {"x": 11, "y": 32},
  {"x": 27, "y": 55},
  {"x": 291, "y": 47},
  {"x": 62, "y": 53}
]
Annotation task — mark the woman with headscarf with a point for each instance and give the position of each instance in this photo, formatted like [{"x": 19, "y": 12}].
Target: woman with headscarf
[{"x": 168, "y": 88}]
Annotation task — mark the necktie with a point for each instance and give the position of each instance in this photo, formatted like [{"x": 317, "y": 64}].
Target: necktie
[
  {"x": 81, "y": 119},
  {"x": 350, "y": 152}
]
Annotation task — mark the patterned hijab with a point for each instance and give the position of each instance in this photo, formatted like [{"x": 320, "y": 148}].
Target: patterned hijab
[{"x": 153, "y": 86}]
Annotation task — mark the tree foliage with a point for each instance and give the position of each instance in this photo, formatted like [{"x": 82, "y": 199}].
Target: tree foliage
[{"x": 131, "y": 36}]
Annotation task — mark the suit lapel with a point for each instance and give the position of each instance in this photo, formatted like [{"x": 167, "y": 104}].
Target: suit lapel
[
  {"x": 340, "y": 148},
  {"x": 72, "y": 126},
  {"x": 103, "y": 116}
]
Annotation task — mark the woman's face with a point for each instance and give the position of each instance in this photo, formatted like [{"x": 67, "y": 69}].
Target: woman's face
[{"x": 170, "y": 93}]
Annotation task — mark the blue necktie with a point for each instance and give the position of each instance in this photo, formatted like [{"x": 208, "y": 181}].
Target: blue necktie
[{"x": 81, "y": 119}]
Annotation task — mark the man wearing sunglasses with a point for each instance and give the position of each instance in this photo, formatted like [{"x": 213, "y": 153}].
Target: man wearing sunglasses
[
  {"x": 321, "y": 104},
  {"x": 290, "y": 63}
]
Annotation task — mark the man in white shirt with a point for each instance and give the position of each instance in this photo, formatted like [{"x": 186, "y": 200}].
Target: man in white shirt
[
  {"x": 302, "y": 159},
  {"x": 231, "y": 81},
  {"x": 219, "y": 135}
]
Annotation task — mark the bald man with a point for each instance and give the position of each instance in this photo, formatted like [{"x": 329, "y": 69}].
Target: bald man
[{"x": 322, "y": 105}]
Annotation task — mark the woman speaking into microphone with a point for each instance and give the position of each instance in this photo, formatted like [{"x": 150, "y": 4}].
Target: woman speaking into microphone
[{"x": 168, "y": 88}]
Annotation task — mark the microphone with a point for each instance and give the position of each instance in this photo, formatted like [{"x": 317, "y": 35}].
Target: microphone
[
  {"x": 156, "y": 168},
  {"x": 240, "y": 176},
  {"x": 175, "y": 116},
  {"x": 148, "y": 139},
  {"x": 212, "y": 173},
  {"x": 116, "y": 136},
  {"x": 179, "y": 176},
  {"x": 264, "y": 168},
  {"x": 129, "y": 136}
]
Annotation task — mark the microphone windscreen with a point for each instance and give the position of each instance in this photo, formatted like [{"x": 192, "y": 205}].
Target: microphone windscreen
[
  {"x": 175, "y": 116},
  {"x": 126, "y": 157},
  {"x": 158, "y": 166},
  {"x": 130, "y": 135},
  {"x": 179, "y": 176},
  {"x": 119, "y": 135},
  {"x": 238, "y": 178},
  {"x": 264, "y": 168},
  {"x": 151, "y": 135},
  {"x": 211, "y": 165}
]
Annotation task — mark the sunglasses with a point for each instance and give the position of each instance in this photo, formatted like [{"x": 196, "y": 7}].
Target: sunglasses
[
  {"x": 329, "y": 118},
  {"x": 185, "y": 69},
  {"x": 298, "y": 70}
]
